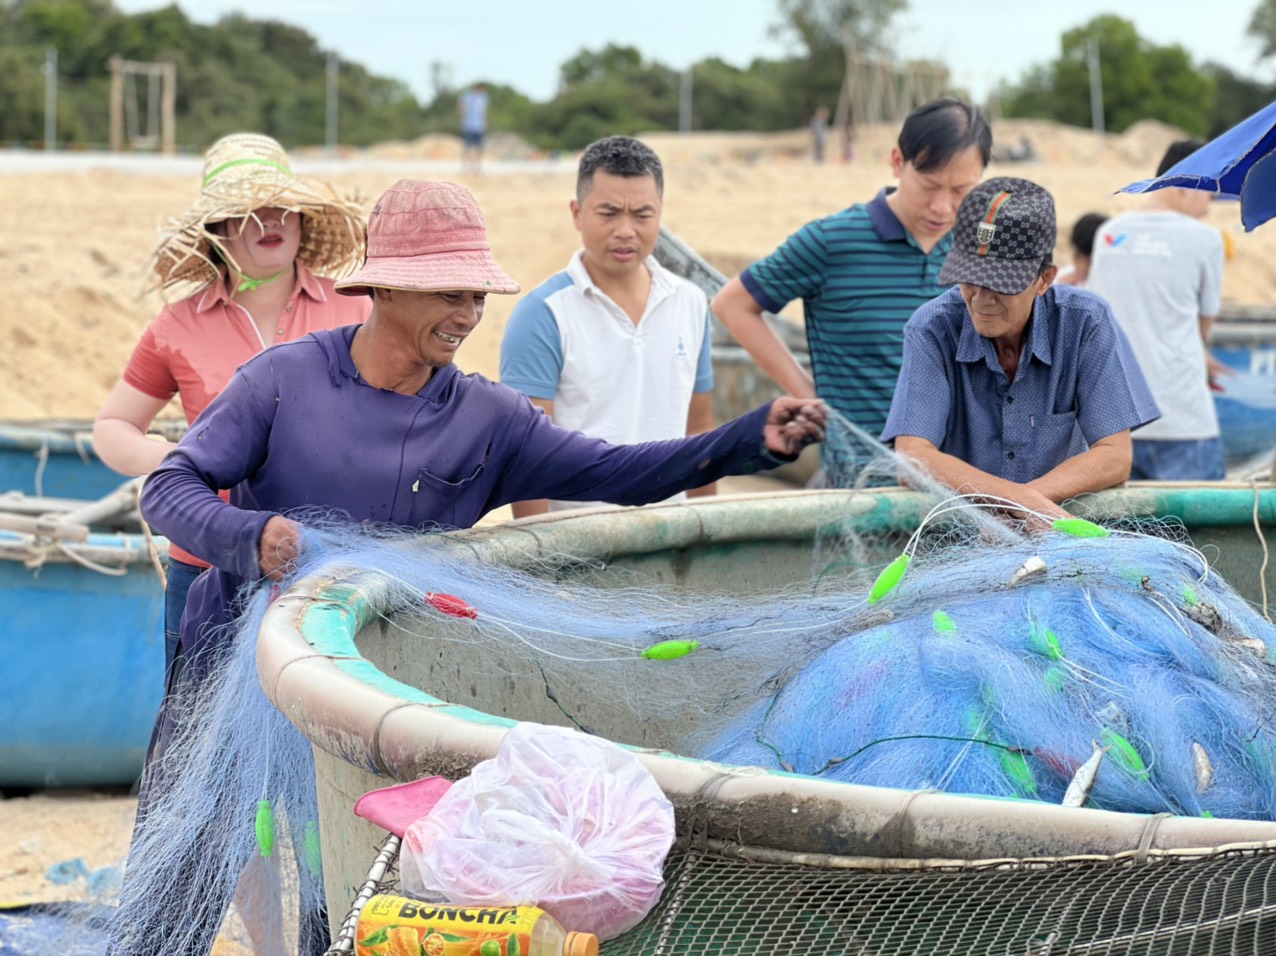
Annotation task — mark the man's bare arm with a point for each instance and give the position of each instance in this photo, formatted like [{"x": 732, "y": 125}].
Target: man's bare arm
[
  {"x": 1105, "y": 464},
  {"x": 741, "y": 314},
  {"x": 965, "y": 478}
]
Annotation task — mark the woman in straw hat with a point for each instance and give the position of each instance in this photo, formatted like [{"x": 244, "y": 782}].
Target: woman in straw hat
[
  {"x": 375, "y": 423},
  {"x": 255, "y": 259}
]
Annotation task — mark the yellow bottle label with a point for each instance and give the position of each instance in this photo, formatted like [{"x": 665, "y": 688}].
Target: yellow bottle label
[{"x": 396, "y": 926}]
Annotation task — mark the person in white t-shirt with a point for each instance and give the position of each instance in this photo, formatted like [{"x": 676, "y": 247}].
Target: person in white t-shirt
[
  {"x": 1161, "y": 269},
  {"x": 1082, "y": 242},
  {"x": 614, "y": 346}
]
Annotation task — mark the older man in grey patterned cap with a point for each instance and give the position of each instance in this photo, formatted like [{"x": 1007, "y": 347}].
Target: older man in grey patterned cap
[{"x": 1012, "y": 388}]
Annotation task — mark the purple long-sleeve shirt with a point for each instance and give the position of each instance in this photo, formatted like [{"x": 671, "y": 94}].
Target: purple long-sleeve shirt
[{"x": 298, "y": 428}]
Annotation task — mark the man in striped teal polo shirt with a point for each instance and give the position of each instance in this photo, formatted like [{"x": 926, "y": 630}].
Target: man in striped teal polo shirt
[{"x": 862, "y": 272}]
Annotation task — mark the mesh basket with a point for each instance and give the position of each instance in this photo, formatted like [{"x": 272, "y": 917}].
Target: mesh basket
[{"x": 737, "y": 901}]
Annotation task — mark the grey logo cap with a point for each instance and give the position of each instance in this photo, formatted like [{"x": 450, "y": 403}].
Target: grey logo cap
[{"x": 1005, "y": 229}]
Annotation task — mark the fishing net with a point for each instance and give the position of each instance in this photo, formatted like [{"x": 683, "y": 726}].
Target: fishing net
[{"x": 989, "y": 652}]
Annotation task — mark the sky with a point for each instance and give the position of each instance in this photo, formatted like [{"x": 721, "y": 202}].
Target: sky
[{"x": 522, "y": 43}]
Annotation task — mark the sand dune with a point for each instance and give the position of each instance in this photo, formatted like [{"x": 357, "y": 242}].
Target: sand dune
[{"x": 77, "y": 240}]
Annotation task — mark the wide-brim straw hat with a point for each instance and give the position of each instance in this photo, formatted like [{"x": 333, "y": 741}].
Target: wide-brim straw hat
[
  {"x": 244, "y": 172},
  {"x": 428, "y": 237}
]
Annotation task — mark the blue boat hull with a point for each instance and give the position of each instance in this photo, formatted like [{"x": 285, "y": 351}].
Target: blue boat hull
[
  {"x": 53, "y": 462},
  {"x": 83, "y": 650},
  {"x": 83, "y": 672},
  {"x": 1247, "y": 405}
]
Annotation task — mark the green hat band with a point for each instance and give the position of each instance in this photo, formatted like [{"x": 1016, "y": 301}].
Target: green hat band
[{"x": 245, "y": 162}]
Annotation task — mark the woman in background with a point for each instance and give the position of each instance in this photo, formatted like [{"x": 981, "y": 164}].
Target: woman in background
[
  {"x": 255, "y": 259},
  {"x": 250, "y": 265}
]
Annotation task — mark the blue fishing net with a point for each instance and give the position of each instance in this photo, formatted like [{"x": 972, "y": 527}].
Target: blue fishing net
[
  {"x": 1127, "y": 645},
  {"x": 997, "y": 655}
]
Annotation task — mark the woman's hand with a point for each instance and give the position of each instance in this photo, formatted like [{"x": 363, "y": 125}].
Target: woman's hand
[{"x": 279, "y": 547}]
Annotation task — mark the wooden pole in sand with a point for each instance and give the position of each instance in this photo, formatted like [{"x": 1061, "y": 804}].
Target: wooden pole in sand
[
  {"x": 51, "y": 98},
  {"x": 168, "y": 116},
  {"x": 166, "y": 75},
  {"x": 684, "y": 102},
  {"x": 116, "y": 66},
  {"x": 1096, "y": 93},
  {"x": 331, "y": 118}
]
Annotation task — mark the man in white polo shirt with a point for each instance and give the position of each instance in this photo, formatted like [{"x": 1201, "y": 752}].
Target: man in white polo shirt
[{"x": 614, "y": 346}]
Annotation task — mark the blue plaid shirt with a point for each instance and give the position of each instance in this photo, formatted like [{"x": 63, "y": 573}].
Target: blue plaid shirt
[{"x": 1077, "y": 382}]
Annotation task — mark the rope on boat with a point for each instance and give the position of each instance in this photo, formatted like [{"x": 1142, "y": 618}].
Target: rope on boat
[
  {"x": 39, "y": 550},
  {"x": 65, "y": 534},
  {"x": 91, "y": 565},
  {"x": 42, "y": 459},
  {"x": 151, "y": 549}
]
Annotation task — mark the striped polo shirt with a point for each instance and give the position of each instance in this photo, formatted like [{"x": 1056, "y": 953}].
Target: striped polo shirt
[{"x": 860, "y": 276}]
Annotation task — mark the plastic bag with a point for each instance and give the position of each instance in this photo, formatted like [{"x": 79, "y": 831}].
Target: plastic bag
[{"x": 558, "y": 819}]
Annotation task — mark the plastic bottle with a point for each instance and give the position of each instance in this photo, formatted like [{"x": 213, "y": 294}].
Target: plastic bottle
[{"x": 398, "y": 926}]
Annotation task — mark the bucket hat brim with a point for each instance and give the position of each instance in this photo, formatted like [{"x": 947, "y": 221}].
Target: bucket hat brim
[
  {"x": 471, "y": 271},
  {"x": 426, "y": 236}
]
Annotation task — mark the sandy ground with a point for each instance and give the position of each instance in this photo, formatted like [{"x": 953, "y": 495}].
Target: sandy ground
[
  {"x": 76, "y": 240},
  {"x": 77, "y": 234}
]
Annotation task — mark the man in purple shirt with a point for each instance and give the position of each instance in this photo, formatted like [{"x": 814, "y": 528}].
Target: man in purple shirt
[{"x": 375, "y": 424}]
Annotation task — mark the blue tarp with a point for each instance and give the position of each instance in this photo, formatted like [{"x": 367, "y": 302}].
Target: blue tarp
[{"x": 1236, "y": 165}]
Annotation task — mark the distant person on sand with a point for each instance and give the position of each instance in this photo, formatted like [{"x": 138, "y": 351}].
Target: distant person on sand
[
  {"x": 1161, "y": 268},
  {"x": 1013, "y": 387},
  {"x": 471, "y": 107},
  {"x": 862, "y": 272},
  {"x": 615, "y": 345},
  {"x": 259, "y": 249},
  {"x": 1082, "y": 242},
  {"x": 820, "y": 133}
]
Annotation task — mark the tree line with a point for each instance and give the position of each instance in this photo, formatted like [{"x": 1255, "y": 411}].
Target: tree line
[{"x": 242, "y": 73}]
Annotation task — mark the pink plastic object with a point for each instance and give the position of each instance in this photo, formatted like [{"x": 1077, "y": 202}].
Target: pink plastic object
[{"x": 396, "y": 808}]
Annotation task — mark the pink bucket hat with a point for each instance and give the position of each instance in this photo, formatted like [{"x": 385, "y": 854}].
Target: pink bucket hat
[{"x": 428, "y": 237}]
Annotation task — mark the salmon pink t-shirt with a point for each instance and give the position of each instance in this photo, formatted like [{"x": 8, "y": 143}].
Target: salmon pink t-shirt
[{"x": 193, "y": 347}]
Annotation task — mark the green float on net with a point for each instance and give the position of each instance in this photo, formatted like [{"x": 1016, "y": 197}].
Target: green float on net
[
  {"x": 265, "y": 827},
  {"x": 670, "y": 650},
  {"x": 1080, "y": 528},
  {"x": 889, "y": 579},
  {"x": 1125, "y": 753}
]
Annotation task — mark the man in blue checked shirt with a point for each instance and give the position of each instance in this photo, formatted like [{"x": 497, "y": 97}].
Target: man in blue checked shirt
[{"x": 1012, "y": 387}]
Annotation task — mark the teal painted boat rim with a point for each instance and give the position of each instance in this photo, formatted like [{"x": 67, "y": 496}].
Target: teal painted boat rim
[{"x": 311, "y": 668}]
